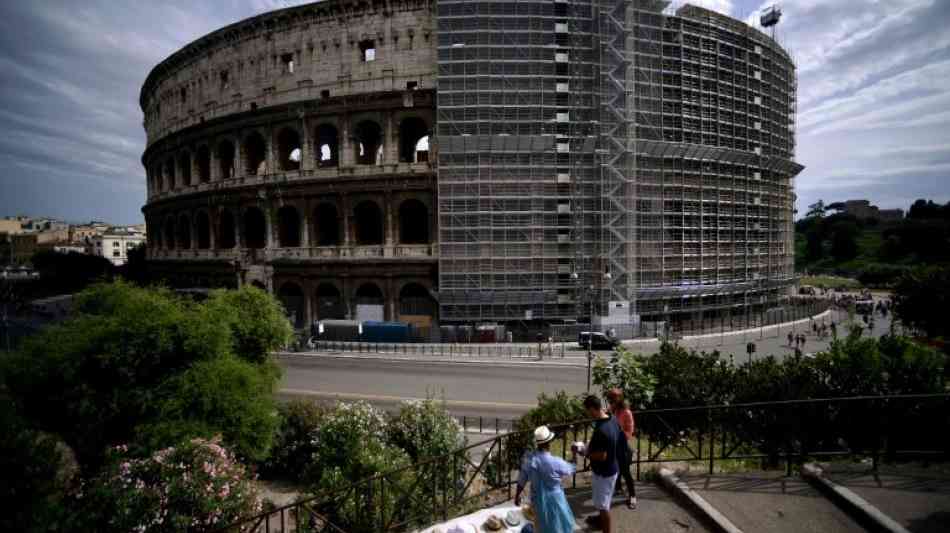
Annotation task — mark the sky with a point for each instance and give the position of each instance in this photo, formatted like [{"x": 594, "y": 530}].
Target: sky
[{"x": 873, "y": 97}]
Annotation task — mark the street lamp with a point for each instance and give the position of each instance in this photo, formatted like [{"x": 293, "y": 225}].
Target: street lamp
[{"x": 590, "y": 334}]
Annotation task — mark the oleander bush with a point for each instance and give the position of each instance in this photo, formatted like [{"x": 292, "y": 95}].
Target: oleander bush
[{"x": 196, "y": 486}]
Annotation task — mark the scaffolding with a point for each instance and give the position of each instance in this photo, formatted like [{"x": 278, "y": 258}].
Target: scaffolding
[{"x": 608, "y": 160}]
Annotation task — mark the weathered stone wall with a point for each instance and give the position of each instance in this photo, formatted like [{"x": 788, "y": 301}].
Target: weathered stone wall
[{"x": 281, "y": 154}]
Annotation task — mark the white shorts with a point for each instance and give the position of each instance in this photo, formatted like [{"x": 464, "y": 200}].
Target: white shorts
[{"x": 603, "y": 491}]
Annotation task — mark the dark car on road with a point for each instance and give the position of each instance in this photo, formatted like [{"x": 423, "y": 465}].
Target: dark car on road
[{"x": 598, "y": 340}]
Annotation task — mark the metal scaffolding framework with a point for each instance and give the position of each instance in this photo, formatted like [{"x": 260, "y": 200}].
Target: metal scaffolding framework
[{"x": 605, "y": 160}]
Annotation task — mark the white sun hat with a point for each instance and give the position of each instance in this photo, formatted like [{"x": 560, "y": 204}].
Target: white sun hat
[{"x": 543, "y": 434}]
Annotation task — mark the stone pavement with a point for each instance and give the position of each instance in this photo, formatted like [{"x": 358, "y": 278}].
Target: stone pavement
[
  {"x": 657, "y": 512},
  {"x": 916, "y": 496}
]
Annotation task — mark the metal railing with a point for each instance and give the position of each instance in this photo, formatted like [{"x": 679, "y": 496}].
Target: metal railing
[{"x": 772, "y": 433}]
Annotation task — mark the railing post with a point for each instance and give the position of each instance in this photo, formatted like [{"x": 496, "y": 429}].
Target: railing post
[{"x": 712, "y": 441}]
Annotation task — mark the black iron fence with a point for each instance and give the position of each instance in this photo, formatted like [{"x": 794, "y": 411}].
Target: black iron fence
[{"x": 770, "y": 434}]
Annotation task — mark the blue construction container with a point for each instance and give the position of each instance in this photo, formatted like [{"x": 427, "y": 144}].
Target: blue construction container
[{"x": 376, "y": 331}]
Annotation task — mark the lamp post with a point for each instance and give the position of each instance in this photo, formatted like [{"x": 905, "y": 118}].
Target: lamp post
[{"x": 590, "y": 334}]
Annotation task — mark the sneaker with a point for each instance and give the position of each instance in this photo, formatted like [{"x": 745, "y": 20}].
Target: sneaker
[{"x": 632, "y": 503}]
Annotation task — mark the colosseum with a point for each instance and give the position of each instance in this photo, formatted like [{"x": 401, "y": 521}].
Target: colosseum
[{"x": 465, "y": 162}]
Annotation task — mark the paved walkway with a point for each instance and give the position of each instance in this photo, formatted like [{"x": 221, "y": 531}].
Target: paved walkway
[
  {"x": 656, "y": 512},
  {"x": 768, "y": 501},
  {"x": 916, "y": 496}
]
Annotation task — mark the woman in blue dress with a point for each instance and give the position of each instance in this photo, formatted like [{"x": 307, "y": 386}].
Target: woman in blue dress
[{"x": 544, "y": 472}]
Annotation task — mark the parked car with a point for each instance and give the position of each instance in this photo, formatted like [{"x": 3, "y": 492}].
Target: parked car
[{"x": 598, "y": 340}]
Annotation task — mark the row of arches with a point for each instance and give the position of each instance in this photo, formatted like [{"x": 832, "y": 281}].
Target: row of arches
[
  {"x": 324, "y": 223},
  {"x": 327, "y": 302},
  {"x": 248, "y": 156}
]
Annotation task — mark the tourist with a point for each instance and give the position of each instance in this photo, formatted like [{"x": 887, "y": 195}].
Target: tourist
[
  {"x": 624, "y": 416},
  {"x": 544, "y": 471},
  {"x": 602, "y": 453}
]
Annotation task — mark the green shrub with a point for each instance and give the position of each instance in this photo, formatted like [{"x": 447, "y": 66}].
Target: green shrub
[
  {"x": 256, "y": 319},
  {"x": 193, "y": 487},
  {"x": 225, "y": 396},
  {"x": 425, "y": 429},
  {"x": 352, "y": 445},
  {"x": 35, "y": 475},
  {"x": 292, "y": 454}
]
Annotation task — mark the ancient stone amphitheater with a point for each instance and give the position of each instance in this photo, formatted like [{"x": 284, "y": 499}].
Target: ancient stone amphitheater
[{"x": 609, "y": 160}]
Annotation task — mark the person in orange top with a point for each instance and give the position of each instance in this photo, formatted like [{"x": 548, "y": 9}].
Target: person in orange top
[{"x": 621, "y": 411}]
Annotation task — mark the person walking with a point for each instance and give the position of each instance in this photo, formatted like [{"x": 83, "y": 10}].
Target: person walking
[
  {"x": 602, "y": 453},
  {"x": 790, "y": 339},
  {"x": 544, "y": 471},
  {"x": 624, "y": 416}
]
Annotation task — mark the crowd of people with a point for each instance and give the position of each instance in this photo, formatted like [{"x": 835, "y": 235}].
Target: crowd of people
[{"x": 610, "y": 457}]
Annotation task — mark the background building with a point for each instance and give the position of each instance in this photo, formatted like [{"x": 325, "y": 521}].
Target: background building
[
  {"x": 608, "y": 161},
  {"x": 115, "y": 244}
]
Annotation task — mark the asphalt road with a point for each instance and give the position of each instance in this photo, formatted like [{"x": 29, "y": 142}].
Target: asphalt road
[{"x": 504, "y": 390}]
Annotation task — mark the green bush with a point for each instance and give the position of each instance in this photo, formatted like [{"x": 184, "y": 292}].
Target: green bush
[
  {"x": 352, "y": 445},
  {"x": 225, "y": 396},
  {"x": 196, "y": 486},
  {"x": 35, "y": 476},
  {"x": 292, "y": 454},
  {"x": 425, "y": 429},
  {"x": 256, "y": 319}
]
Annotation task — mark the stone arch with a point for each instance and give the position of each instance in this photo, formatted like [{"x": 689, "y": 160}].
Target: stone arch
[
  {"x": 184, "y": 168},
  {"x": 289, "y": 149},
  {"x": 170, "y": 233},
  {"x": 415, "y": 300},
  {"x": 226, "y": 227},
  {"x": 368, "y": 223},
  {"x": 369, "y": 302},
  {"x": 158, "y": 182},
  {"x": 328, "y": 145},
  {"x": 413, "y": 222},
  {"x": 255, "y": 228},
  {"x": 288, "y": 227},
  {"x": 225, "y": 152},
  {"x": 326, "y": 222},
  {"x": 368, "y": 143},
  {"x": 183, "y": 233},
  {"x": 330, "y": 303},
  {"x": 255, "y": 154},
  {"x": 203, "y": 230},
  {"x": 292, "y": 297},
  {"x": 412, "y": 131},
  {"x": 203, "y": 162},
  {"x": 169, "y": 173}
]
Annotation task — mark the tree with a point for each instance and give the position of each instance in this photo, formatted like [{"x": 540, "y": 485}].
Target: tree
[
  {"x": 135, "y": 269},
  {"x": 628, "y": 372},
  {"x": 117, "y": 364},
  {"x": 844, "y": 240},
  {"x": 925, "y": 210},
  {"x": 70, "y": 272},
  {"x": 922, "y": 300},
  {"x": 816, "y": 210}
]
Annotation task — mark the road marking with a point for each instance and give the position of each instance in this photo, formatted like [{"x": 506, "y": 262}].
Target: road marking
[{"x": 382, "y": 398}]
